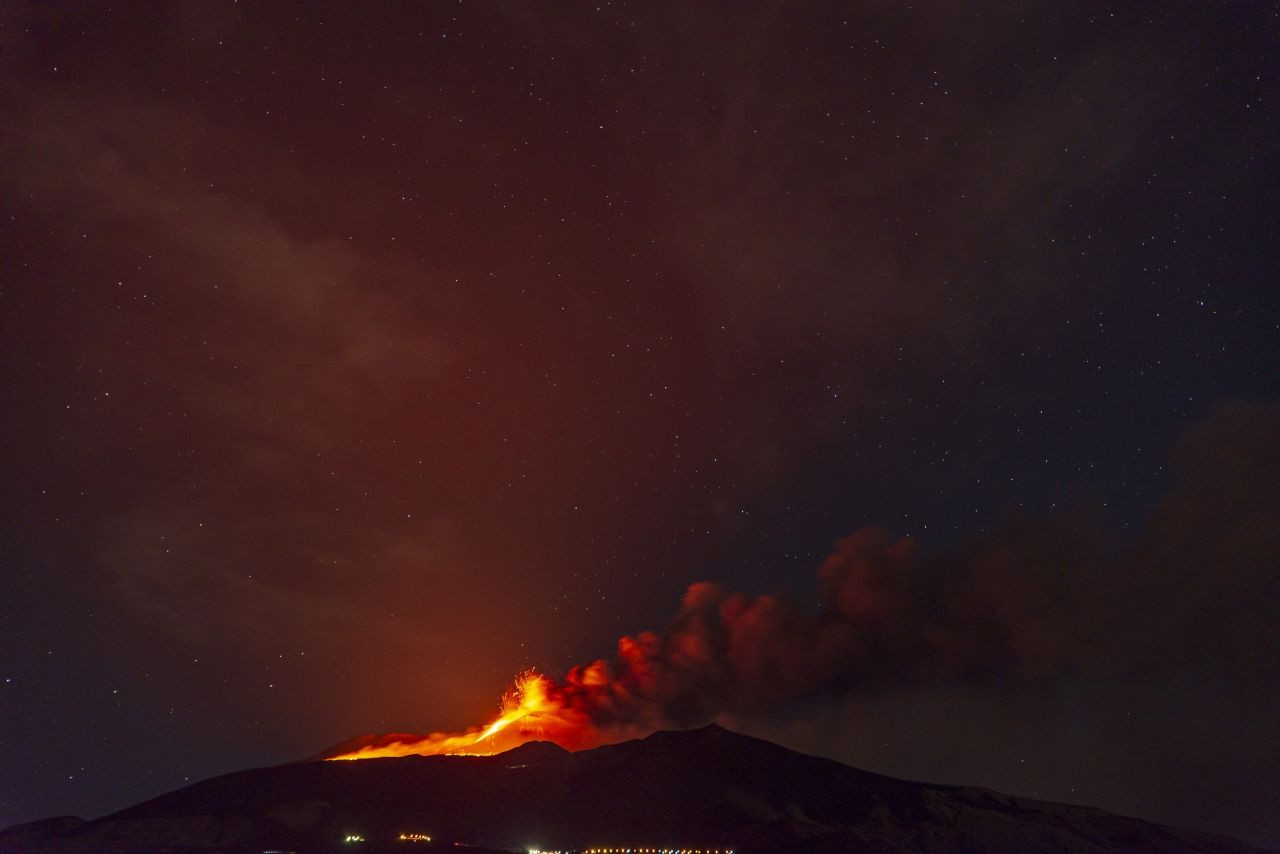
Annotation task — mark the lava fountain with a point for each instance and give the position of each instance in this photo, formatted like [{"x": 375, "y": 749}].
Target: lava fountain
[
  {"x": 533, "y": 708},
  {"x": 729, "y": 653}
]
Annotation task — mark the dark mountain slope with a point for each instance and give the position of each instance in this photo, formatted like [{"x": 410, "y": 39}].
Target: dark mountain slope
[{"x": 695, "y": 789}]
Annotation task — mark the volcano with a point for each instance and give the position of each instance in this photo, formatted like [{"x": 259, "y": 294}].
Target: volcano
[{"x": 705, "y": 789}]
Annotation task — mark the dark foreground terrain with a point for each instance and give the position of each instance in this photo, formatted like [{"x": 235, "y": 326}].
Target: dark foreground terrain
[{"x": 699, "y": 789}]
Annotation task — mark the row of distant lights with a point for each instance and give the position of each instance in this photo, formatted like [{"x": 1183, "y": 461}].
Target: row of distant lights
[
  {"x": 640, "y": 851},
  {"x": 352, "y": 838}
]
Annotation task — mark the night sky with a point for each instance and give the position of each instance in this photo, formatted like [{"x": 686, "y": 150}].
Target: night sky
[{"x": 356, "y": 357}]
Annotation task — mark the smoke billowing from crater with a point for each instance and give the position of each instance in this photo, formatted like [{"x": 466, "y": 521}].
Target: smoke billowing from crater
[{"x": 1041, "y": 598}]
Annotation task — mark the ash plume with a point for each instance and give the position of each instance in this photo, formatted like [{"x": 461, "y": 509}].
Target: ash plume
[{"x": 1043, "y": 597}]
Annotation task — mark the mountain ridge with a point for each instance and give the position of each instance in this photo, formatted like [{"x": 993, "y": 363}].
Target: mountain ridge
[{"x": 703, "y": 788}]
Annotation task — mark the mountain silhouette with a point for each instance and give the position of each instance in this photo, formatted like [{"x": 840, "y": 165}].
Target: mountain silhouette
[{"x": 706, "y": 788}]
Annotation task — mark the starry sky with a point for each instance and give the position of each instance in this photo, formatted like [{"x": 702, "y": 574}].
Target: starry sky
[{"x": 354, "y": 357}]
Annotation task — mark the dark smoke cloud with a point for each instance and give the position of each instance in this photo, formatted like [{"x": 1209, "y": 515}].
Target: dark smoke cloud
[{"x": 1048, "y": 597}]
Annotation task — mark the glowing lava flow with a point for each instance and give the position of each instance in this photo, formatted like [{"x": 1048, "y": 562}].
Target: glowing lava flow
[{"x": 531, "y": 709}]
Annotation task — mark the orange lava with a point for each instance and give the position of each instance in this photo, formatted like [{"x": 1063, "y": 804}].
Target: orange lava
[{"x": 532, "y": 709}]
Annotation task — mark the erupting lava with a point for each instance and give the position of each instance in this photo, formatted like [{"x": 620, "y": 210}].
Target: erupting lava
[
  {"x": 532, "y": 709},
  {"x": 731, "y": 653}
]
